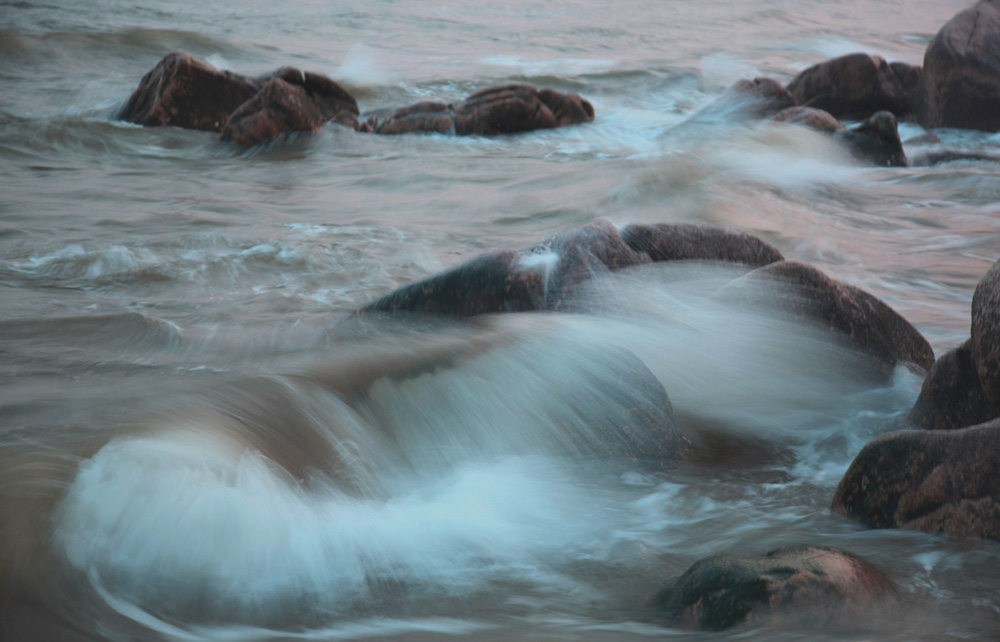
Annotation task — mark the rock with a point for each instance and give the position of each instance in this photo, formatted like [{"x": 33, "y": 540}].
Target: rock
[
  {"x": 952, "y": 395},
  {"x": 723, "y": 591},
  {"x": 876, "y": 140},
  {"x": 855, "y": 86},
  {"x": 758, "y": 98},
  {"x": 185, "y": 91},
  {"x": 691, "y": 241},
  {"x": 489, "y": 283},
  {"x": 986, "y": 336},
  {"x": 936, "y": 481},
  {"x": 432, "y": 117},
  {"x": 292, "y": 101},
  {"x": 870, "y": 325},
  {"x": 810, "y": 117},
  {"x": 519, "y": 108},
  {"x": 961, "y": 86}
]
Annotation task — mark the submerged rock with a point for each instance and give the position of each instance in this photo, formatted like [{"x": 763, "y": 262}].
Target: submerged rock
[
  {"x": 961, "y": 86},
  {"x": 723, "y": 591},
  {"x": 876, "y": 140},
  {"x": 292, "y": 101},
  {"x": 855, "y": 86},
  {"x": 936, "y": 481},
  {"x": 185, "y": 91},
  {"x": 952, "y": 394},
  {"x": 499, "y": 110},
  {"x": 870, "y": 325}
]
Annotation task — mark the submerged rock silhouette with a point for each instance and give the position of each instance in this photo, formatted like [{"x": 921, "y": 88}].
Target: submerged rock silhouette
[{"x": 722, "y": 591}]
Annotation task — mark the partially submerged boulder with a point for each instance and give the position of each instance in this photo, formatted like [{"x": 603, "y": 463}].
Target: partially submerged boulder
[
  {"x": 952, "y": 394},
  {"x": 724, "y": 591},
  {"x": 508, "y": 109},
  {"x": 870, "y": 325},
  {"x": 875, "y": 140},
  {"x": 986, "y": 337},
  {"x": 810, "y": 118},
  {"x": 185, "y": 91},
  {"x": 961, "y": 86},
  {"x": 757, "y": 98},
  {"x": 936, "y": 481},
  {"x": 693, "y": 241},
  {"x": 855, "y": 86},
  {"x": 292, "y": 101}
]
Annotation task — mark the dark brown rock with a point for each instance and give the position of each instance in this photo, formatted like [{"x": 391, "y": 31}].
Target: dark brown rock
[
  {"x": 961, "y": 86},
  {"x": 855, "y": 86},
  {"x": 185, "y": 91},
  {"x": 292, "y": 101},
  {"x": 723, "y": 591},
  {"x": 936, "y": 481},
  {"x": 986, "y": 337},
  {"x": 692, "y": 241},
  {"x": 952, "y": 395},
  {"x": 431, "y": 117},
  {"x": 519, "y": 108},
  {"x": 758, "y": 98},
  {"x": 875, "y": 140},
  {"x": 489, "y": 283},
  {"x": 811, "y": 118},
  {"x": 870, "y": 325}
]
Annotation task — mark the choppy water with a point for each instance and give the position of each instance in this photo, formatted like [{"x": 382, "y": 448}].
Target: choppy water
[{"x": 179, "y": 459}]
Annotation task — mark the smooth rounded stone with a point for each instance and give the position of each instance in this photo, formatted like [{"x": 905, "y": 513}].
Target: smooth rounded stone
[
  {"x": 803, "y": 583},
  {"x": 185, "y": 91},
  {"x": 870, "y": 325},
  {"x": 430, "y": 117},
  {"x": 875, "y": 140},
  {"x": 986, "y": 336},
  {"x": 698, "y": 242},
  {"x": 519, "y": 108},
  {"x": 573, "y": 257},
  {"x": 855, "y": 86},
  {"x": 283, "y": 107},
  {"x": 936, "y": 481},
  {"x": 757, "y": 98},
  {"x": 811, "y": 118},
  {"x": 489, "y": 283},
  {"x": 961, "y": 85},
  {"x": 952, "y": 395}
]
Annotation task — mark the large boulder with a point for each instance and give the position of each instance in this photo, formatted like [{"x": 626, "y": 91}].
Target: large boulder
[
  {"x": 499, "y": 110},
  {"x": 936, "y": 481},
  {"x": 952, "y": 394},
  {"x": 986, "y": 337},
  {"x": 805, "y": 292},
  {"x": 723, "y": 591},
  {"x": 855, "y": 86},
  {"x": 693, "y": 241},
  {"x": 961, "y": 86},
  {"x": 875, "y": 140},
  {"x": 291, "y": 101},
  {"x": 185, "y": 91}
]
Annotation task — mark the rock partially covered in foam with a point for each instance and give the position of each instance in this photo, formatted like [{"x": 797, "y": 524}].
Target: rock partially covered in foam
[
  {"x": 795, "y": 584},
  {"x": 952, "y": 395},
  {"x": 937, "y": 481},
  {"x": 875, "y": 140}
]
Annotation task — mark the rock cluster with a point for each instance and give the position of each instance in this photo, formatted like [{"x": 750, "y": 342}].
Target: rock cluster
[{"x": 185, "y": 91}]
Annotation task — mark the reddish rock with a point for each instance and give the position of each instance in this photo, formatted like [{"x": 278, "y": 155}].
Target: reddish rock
[
  {"x": 758, "y": 98},
  {"x": 855, "y": 86},
  {"x": 795, "y": 583},
  {"x": 952, "y": 395},
  {"x": 870, "y": 325},
  {"x": 185, "y": 91},
  {"x": 519, "y": 108},
  {"x": 810, "y": 117},
  {"x": 693, "y": 241},
  {"x": 876, "y": 140},
  {"x": 431, "y": 117},
  {"x": 986, "y": 337},
  {"x": 292, "y": 101},
  {"x": 961, "y": 86},
  {"x": 936, "y": 481}
]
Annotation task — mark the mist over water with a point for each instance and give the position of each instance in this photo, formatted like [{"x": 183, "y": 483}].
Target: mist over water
[{"x": 198, "y": 442}]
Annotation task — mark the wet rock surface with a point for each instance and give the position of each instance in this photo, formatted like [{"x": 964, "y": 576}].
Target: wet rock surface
[
  {"x": 800, "y": 583},
  {"x": 961, "y": 86},
  {"x": 689, "y": 241},
  {"x": 875, "y": 140},
  {"x": 811, "y": 118},
  {"x": 952, "y": 394},
  {"x": 985, "y": 341},
  {"x": 936, "y": 481},
  {"x": 855, "y": 86}
]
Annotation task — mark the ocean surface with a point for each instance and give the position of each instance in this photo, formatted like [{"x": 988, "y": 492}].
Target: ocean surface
[{"x": 178, "y": 457}]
